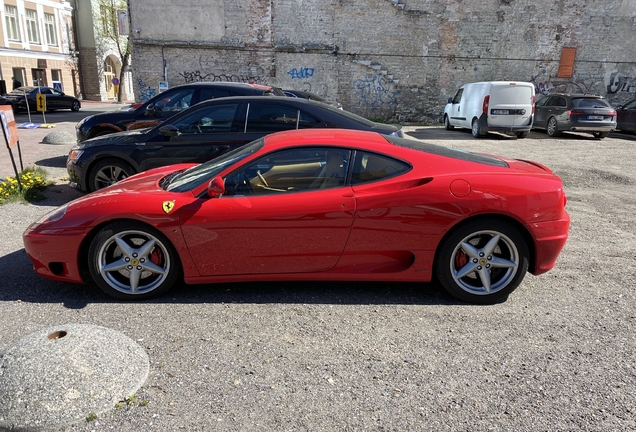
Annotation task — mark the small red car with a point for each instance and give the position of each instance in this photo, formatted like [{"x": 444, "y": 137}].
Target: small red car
[{"x": 313, "y": 205}]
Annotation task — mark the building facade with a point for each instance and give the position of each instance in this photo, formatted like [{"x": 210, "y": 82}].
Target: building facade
[
  {"x": 387, "y": 59},
  {"x": 99, "y": 60},
  {"x": 36, "y": 45}
]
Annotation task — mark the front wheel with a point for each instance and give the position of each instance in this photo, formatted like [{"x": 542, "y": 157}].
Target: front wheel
[
  {"x": 108, "y": 172},
  {"x": 447, "y": 124},
  {"x": 75, "y": 106},
  {"x": 483, "y": 261},
  {"x": 132, "y": 261}
]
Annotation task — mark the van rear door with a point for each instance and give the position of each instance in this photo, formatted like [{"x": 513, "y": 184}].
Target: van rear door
[{"x": 510, "y": 104}]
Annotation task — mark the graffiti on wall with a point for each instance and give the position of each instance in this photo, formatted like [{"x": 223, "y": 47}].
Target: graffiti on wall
[
  {"x": 301, "y": 73},
  {"x": 376, "y": 92},
  {"x": 546, "y": 86},
  {"x": 617, "y": 83},
  {"x": 197, "y": 76},
  {"x": 145, "y": 92}
]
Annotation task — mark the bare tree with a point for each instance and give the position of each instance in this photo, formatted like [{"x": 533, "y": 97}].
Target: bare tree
[{"x": 110, "y": 32}]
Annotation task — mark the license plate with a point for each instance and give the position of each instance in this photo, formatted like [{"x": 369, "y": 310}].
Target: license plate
[
  {"x": 595, "y": 117},
  {"x": 500, "y": 112}
]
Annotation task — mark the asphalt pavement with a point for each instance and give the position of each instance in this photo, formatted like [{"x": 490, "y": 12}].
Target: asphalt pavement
[{"x": 558, "y": 355}]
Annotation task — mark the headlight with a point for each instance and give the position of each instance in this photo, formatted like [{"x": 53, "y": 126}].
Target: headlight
[
  {"x": 75, "y": 154},
  {"x": 53, "y": 216}
]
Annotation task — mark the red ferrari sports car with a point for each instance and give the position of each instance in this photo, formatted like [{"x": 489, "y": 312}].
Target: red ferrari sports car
[{"x": 313, "y": 205}]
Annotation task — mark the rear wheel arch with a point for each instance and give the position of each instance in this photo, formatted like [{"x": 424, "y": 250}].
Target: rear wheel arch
[{"x": 493, "y": 218}]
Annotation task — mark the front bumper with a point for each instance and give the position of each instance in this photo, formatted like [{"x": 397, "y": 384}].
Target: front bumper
[{"x": 55, "y": 255}]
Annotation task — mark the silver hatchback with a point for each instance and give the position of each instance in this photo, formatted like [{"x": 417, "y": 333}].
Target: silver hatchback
[{"x": 560, "y": 112}]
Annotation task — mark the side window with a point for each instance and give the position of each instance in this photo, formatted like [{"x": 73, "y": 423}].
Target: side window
[
  {"x": 307, "y": 121},
  {"x": 211, "y": 93},
  {"x": 212, "y": 119},
  {"x": 45, "y": 91},
  {"x": 630, "y": 106},
  {"x": 541, "y": 102},
  {"x": 268, "y": 118},
  {"x": 372, "y": 166},
  {"x": 562, "y": 102},
  {"x": 293, "y": 170},
  {"x": 458, "y": 96},
  {"x": 174, "y": 101}
]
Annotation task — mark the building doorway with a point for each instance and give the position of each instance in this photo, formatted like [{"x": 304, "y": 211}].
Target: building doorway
[
  {"x": 109, "y": 74},
  {"x": 39, "y": 77}
]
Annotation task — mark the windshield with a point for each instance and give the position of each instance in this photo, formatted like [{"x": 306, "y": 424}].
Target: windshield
[{"x": 197, "y": 175}]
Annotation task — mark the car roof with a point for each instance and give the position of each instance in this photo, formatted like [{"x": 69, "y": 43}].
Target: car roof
[
  {"x": 573, "y": 95},
  {"x": 226, "y": 84},
  {"x": 324, "y": 137}
]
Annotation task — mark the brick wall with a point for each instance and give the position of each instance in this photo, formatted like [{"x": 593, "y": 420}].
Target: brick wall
[{"x": 393, "y": 59}]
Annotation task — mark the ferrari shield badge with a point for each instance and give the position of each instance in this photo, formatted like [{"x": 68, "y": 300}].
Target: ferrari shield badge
[{"x": 168, "y": 206}]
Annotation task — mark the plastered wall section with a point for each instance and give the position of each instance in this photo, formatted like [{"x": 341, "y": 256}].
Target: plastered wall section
[{"x": 393, "y": 60}]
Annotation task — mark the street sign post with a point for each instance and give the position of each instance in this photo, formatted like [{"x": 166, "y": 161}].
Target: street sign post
[
  {"x": 10, "y": 132},
  {"x": 40, "y": 104}
]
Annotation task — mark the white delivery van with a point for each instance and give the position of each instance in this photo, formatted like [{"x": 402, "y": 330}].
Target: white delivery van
[{"x": 501, "y": 106}]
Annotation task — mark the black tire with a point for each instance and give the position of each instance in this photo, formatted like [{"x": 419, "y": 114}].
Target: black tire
[
  {"x": 491, "y": 271},
  {"x": 75, "y": 106},
  {"x": 475, "y": 129},
  {"x": 522, "y": 134},
  {"x": 447, "y": 124},
  {"x": 129, "y": 260},
  {"x": 108, "y": 172},
  {"x": 600, "y": 135},
  {"x": 552, "y": 127}
]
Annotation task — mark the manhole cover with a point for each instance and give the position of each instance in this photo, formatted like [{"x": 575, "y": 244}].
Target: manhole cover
[{"x": 61, "y": 375}]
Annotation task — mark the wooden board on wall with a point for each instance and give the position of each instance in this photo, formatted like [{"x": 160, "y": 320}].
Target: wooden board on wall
[{"x": 566, "y": 64}]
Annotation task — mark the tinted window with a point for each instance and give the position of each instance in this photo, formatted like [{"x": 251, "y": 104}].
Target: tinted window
[
  {"x": 212, "y": 93},
  {"x": 293, "y": 170},
  {"x": 542, "y": 101},
  {"x": 307, "y": 121},
  {"x": 211, "y": 119},
  {"x": 458, "y": 96},
  {"x": 267, "y": 118},
  {"x": 590, "y": 103},
  {"x": 371, "y": 166},
  {"x": 630, "y": 106},
  {"x": 174, "y": 101}
]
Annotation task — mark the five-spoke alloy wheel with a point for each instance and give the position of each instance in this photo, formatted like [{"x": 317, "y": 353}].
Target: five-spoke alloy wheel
[
  {"x": 108, "y": 172},
  {"x": 482, "y": 261},
  {"x": 132, "y": 261}
]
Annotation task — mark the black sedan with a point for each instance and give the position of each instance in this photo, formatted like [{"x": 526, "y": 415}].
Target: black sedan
[
  {"x": 201, "y": 133},
  {"x": 309, "y": 95},
  {"x": 559, "y": 112},
  {"x": 164, "y": 105},
  {"x": 55, "y": 99},
  {"x": 626, "y": 117}
]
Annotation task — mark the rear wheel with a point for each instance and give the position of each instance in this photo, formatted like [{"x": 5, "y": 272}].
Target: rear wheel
[
  {"x": 476, "y": 130},
  {"x": 75, "y": 106},
  {"x": 522, "y": 134},
  {"x": 483, "y": 261},
  {"x": 108, "y": 172},
  {"x": 600, "y": 135},
  {"x": 447, "y": 124},
  {"x": 553, "y": 127},
  {"x": 132, "y": 261}
]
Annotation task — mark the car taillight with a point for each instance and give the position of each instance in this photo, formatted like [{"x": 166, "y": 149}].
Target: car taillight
[
  {"x": 533, "y": 101},
  {"x": 575, "y": 112},
  {"x": 612, "y": 113},
  {"x": 484, "y": 107}
]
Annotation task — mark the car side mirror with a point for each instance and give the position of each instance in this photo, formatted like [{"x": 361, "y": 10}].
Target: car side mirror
[
  {"x": 150, "y": 110},
  {"x": 169, "y": 131},
  {"x": 216, "y": 187},
  {"x": 450, "y": 100}
]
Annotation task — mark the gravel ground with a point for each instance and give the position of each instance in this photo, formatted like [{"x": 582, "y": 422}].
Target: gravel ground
[{"x": 558, "y": 355}]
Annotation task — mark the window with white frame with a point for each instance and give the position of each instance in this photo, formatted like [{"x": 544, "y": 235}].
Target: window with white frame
[
  {"x": 51, "y": 29},
  {"x": 11, "y": 20},
  {"x": 33, "y": 32}
]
